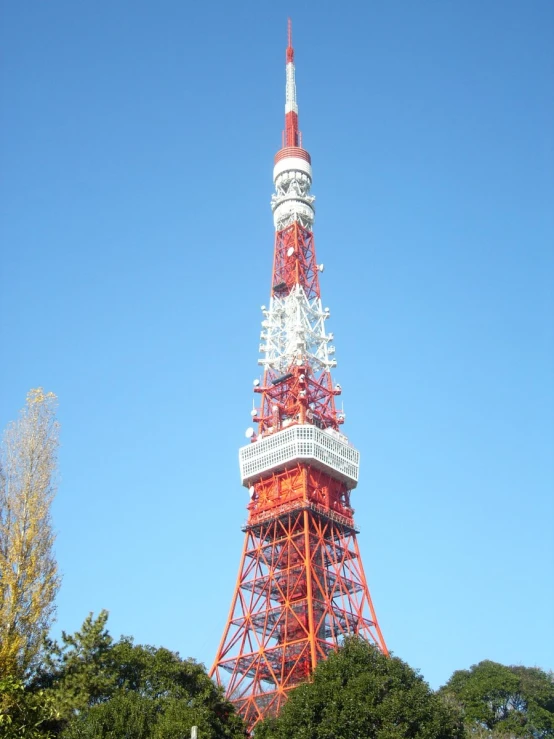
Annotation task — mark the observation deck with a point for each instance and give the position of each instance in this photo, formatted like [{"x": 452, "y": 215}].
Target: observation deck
[{"x": 327, "y": 450}]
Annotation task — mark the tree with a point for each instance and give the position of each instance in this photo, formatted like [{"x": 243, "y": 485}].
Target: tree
[
  {"x": 106, "y": 689},
  {"x": 79, "y": 672},
  {"x": 28, "y": 572},
  {"x": 178, "y": 691},
  {"x": 24, "y": 714},
  {"x": 358, "y": 692},
  {"x": 504, "y": 701},
  {"x": 127, "y": 715}
]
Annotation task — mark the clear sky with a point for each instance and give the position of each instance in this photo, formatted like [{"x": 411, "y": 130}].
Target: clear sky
[{"x": 137, "y": 143}]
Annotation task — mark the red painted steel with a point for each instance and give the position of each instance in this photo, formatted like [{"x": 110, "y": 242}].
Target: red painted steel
[
  {"x": 292, "y": 151},
  {"x": 292, "y": 136},
  {"x": 294, "y": 262},
  {"x": 290, "y": 50}
]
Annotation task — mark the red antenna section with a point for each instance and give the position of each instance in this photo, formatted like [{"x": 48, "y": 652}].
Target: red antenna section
[
  {"x": 301, "y": 586},
  {"x": 290, "y": 50}
]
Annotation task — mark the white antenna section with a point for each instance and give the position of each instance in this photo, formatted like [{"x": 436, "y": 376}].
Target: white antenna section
[
  {"x": 295, "y": 329},
  {"x": 290, "y": 97}
]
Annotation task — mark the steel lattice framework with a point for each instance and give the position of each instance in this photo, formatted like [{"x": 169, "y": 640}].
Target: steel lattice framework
[{"x": 301, "y": 586}]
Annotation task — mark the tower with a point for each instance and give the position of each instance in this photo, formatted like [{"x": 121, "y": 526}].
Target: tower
[{"x": 301, "y": 586}]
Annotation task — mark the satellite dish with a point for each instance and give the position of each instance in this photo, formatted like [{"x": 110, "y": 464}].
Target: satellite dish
[
  {"x": 251, "y": 491},
  {"x": 256, "y": 383},
  {"x": 253, "y": 412},
  {"x": 321, "y": 267},
  {"x": 290, "y": 251},
  {"x": 249, "y": 433}
]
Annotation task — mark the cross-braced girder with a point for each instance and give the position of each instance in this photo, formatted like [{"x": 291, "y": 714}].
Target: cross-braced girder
[
  {"x": 297, "y": 396},
  {"x": 295, "y": 262},
  {"x": 300, "y": 590},
  {"x": 293, "y": 332}
]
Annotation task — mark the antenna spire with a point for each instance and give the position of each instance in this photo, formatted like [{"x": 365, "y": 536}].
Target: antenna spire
[
  {"x": 290, "y": 50},
  {"x": 292, "y": 135}
]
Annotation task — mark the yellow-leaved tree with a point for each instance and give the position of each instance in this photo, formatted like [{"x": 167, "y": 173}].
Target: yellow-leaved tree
[{"x": 29, "y": 577}]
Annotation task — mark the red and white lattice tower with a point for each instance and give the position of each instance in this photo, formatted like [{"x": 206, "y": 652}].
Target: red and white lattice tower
[{"x": 301, "y": 585}]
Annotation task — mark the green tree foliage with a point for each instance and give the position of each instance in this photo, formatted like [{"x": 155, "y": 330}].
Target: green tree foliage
[
  {"x": 24, "y": 714},
  {"x": 126, "y": 715},
  {"x": 503, "y": 701},
  {"x": 119, "y": 690},
  {"x": 358, "y": 692},
  {"x": 79, "y": 672}
]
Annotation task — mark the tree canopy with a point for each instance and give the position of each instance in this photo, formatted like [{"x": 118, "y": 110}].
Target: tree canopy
[
  {"x": 358, "y": 692},
  {"x": 500, "y": 700},
  {"x": 24, "y": 714},
  {"x": 106, "y": 689}
]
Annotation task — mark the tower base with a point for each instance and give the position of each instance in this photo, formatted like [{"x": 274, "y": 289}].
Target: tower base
[{"x": 301, "y": 588}]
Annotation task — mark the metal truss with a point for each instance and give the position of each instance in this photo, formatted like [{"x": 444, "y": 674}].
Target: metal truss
[
  {"x": 301, "y": 589},
  {"x": 297, "y": 396},
  {"x": 295, "y": 262}
]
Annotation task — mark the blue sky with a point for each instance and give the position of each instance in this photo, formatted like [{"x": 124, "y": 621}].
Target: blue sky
[{"x": 137, "y": 147}]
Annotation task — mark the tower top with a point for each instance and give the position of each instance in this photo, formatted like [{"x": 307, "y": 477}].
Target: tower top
[
  {"x": 291, "y": 135},
  {"x": 290, "y": 50}
]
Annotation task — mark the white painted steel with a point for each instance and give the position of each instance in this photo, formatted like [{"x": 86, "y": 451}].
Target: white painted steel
[
  {"x": 292, "y": 200},
  {"x": 326, "y": 450},
  {"x": 294, "y": 331},
  {"x": 292, "y": 164},
  {"x": 293, "y": 209},
  {"x": 290, "y": 99}
]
